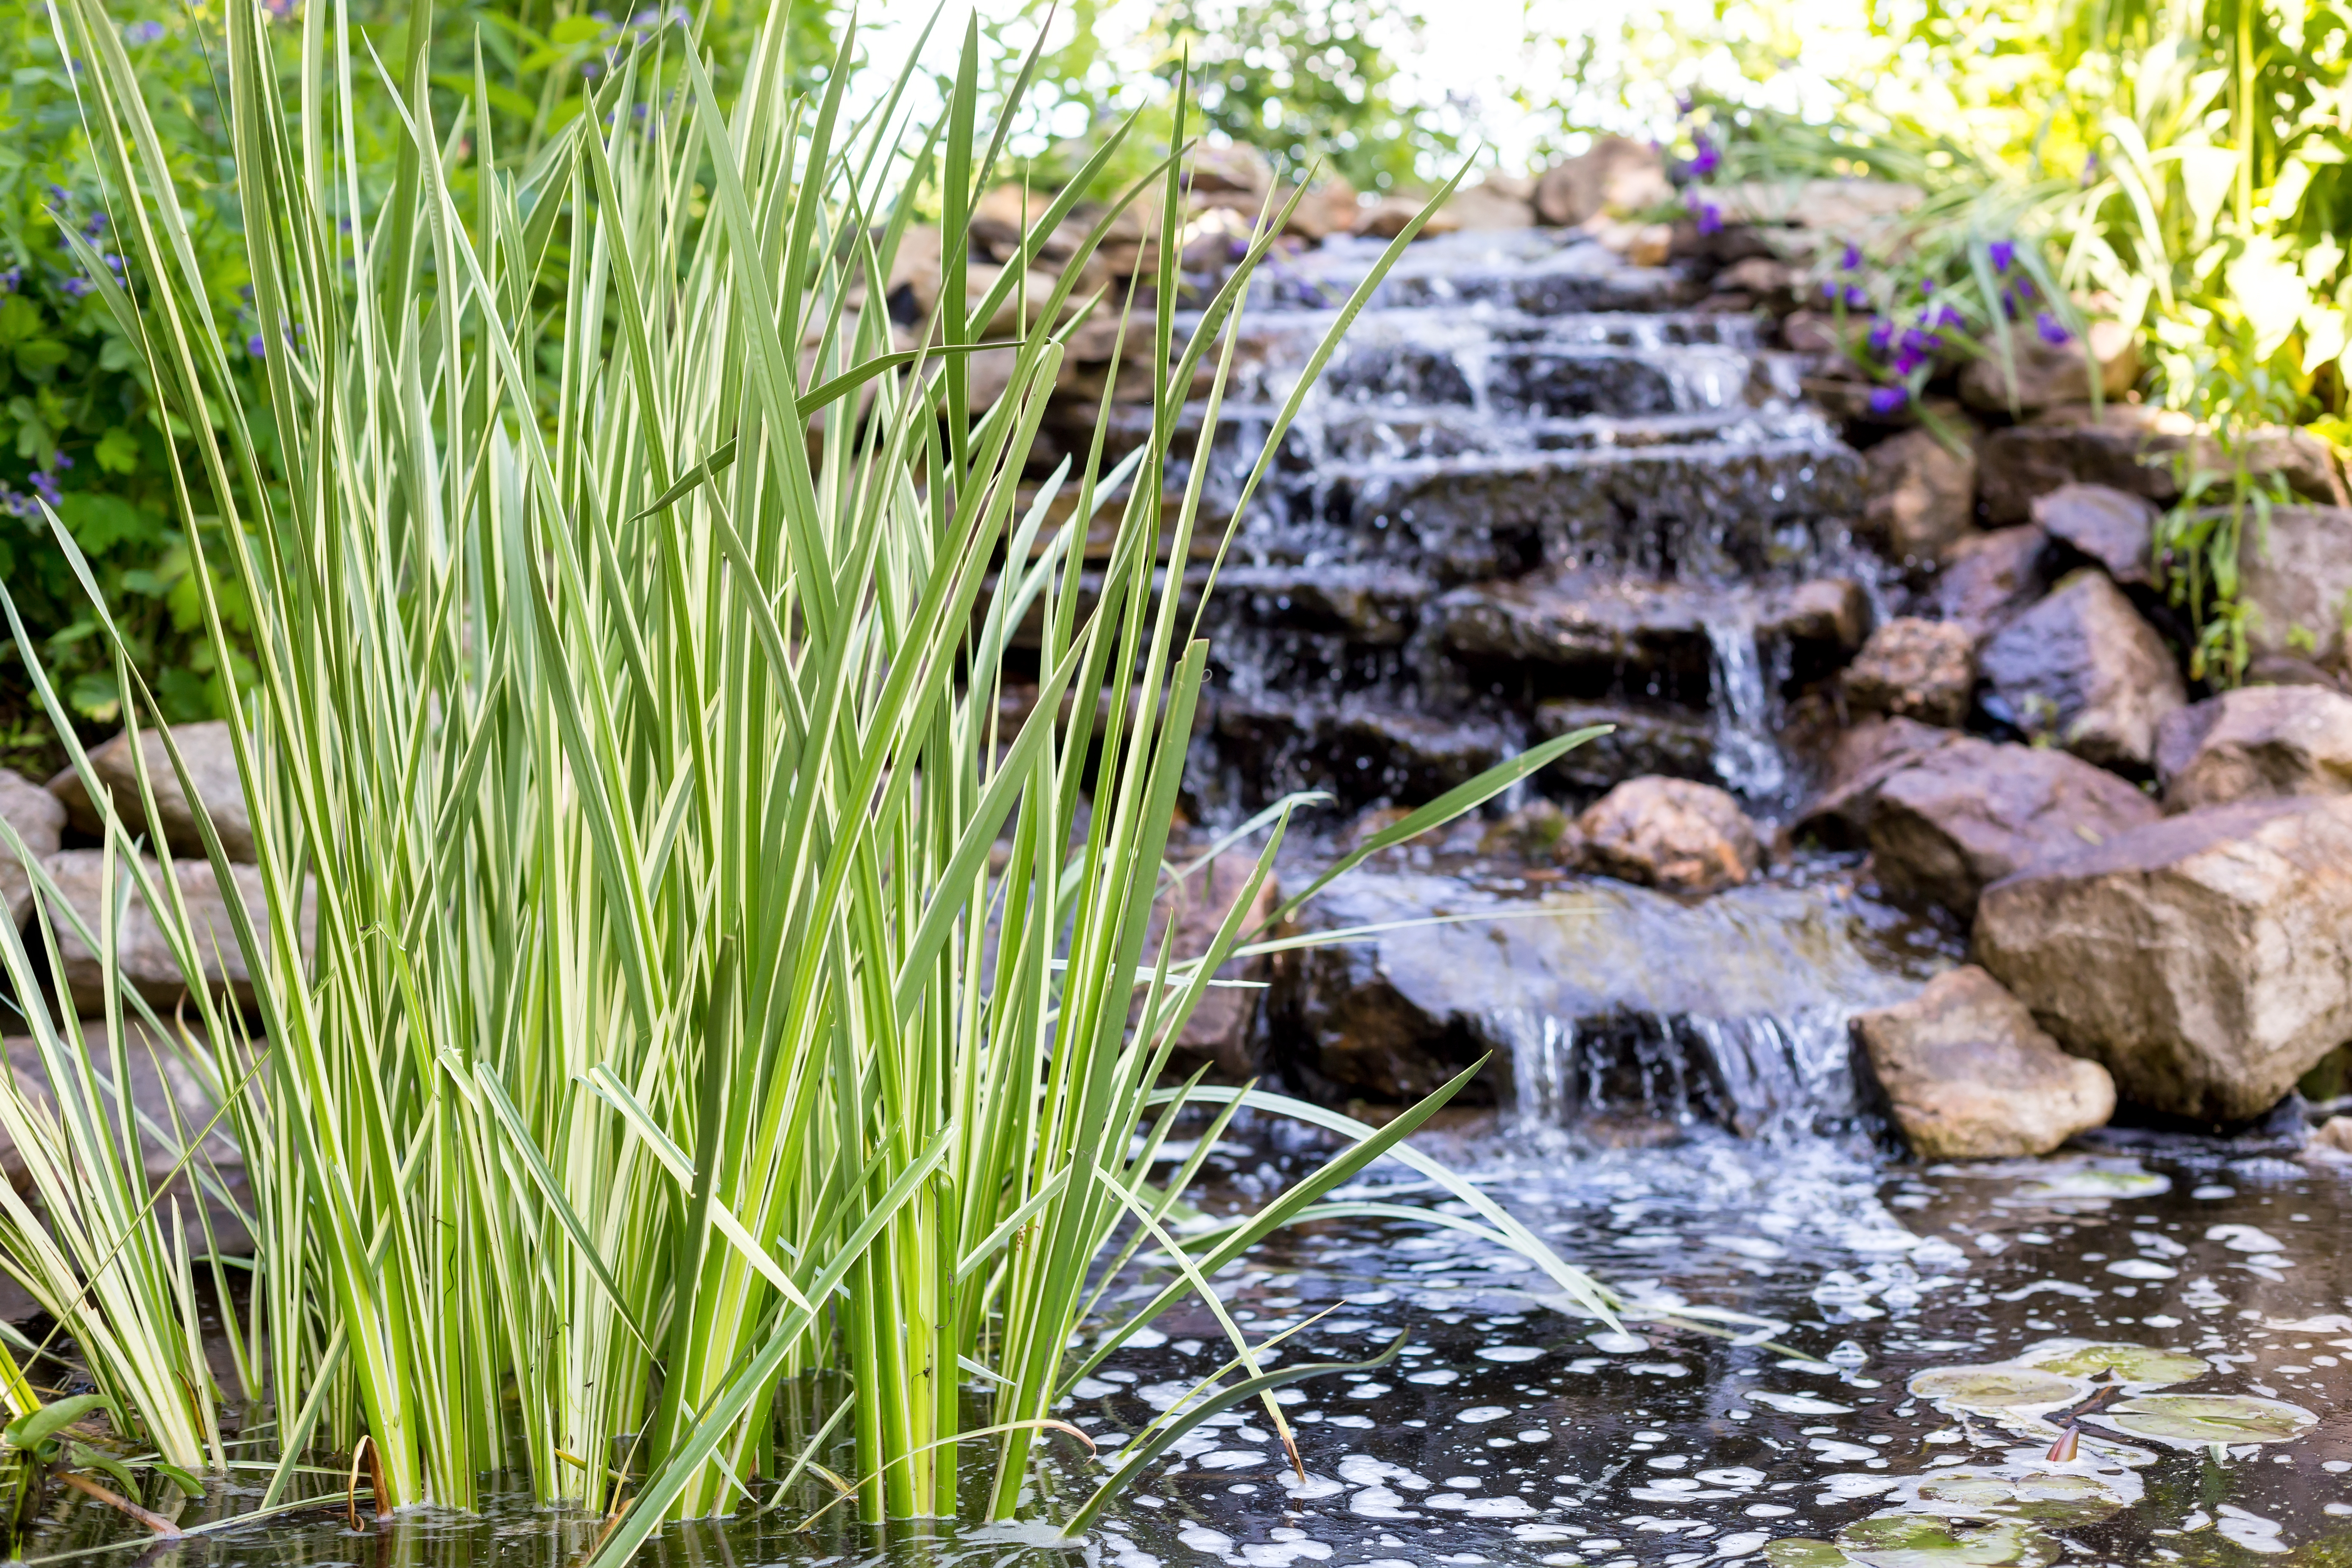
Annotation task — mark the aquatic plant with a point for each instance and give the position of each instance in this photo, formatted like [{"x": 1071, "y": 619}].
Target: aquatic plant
[{"x": 673, "y": 973}]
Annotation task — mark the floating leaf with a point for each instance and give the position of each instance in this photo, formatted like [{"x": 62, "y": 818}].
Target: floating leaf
[
  {"x": 2140, "y": 1366},
  {"x": 2038, "y": 1496},
  {"x": 1909, "y": 1541},
  {"x": 2195, "y": 1420},
  {"x": 1800, "y": 1551},
  {"x": 1998, "y": 1385}
]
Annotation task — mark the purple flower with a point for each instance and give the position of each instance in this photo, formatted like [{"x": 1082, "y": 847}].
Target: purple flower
[
  {"x": 1881, "y": 335},
  {"x": 1710, "y": 217},
  {"x": 59, "y": 195},
  {"x": 11, "y": 279},
  {"x": 1907, "y": 360},
  {"x": 1947, "y": 319},
  {"x": 255, "y": 346},
  {"x": 2003, "y": 253},
  {"x": 1706, "y": 159},
  {"x": 1857, "y": 298},
  {"x": 1927, "y": 287},
  {"x": 96, "y": 226},
  {"x": 77, "y": 287},
  {"x": 1916, "y": 341},
  {"x": 142, "y": 33},
  {"x": 1850, "y": 259},
  {"x": 46, "y": 484},
  {"x": 64, "y": 462},
  {"x": 1889, "y": 400},
  {"x": 2053, "y": 330},
  {"x": 2091, "y": 169}
]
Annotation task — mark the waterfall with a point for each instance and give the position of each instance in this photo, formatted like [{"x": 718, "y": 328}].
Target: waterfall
[{"x": 1747, "y": 755}]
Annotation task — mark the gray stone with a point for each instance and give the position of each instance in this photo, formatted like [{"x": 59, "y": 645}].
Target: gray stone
[
  {"x": 1365, "y": 603},
  {"x": 2081, "y": 669},
  {"x": 1860, "y": 760},
  {"x": 142, "y": 953},
  {"x": 2256, "y": 742},
  {"x": 38, "y": 818},
  {"x": 1675, "y": 834},
  {"x": 1221, "y": 1033},
  {"x": 166, "y": 1084},
  {"x": 211, "y": 764},
  {"x": 1972, "y": 811},
  {"x": 1988, "y": 579},
  {"x": 1967, "y": 1074},
  {"x": 1643, "y": 741},
  {"x": 1632, "y": 624},
  {"x": 2113, "y": 527},
  {"x": 1923, "y": 494},
  {"x": 2205, "y": 960},
  {"x": 1915, "y": 669},
  {"x": 2295, "y": 580}
]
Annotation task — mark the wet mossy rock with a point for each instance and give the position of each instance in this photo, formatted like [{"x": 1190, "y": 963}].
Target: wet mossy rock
[
  {"x": 1967, "y": 1073},
  {"x": 2205, "y": 960}
]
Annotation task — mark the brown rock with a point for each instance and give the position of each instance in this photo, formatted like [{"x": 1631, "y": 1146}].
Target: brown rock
[
  {"x": 1988, "y": 579},
  {"x": 165, "y": 1085},
  {"x": 1222, "y": 1030},
  {"x": 1616, "y": 175},
  {"x": 1969, "y": 1076},
  {"x": 1832, "y": 611},
  {"x": 2205, "y": 959},
  {"x": 2295, "y": 580},
  {"x": 141, "y": 952},
  {"x": 1765, "y": 280},
  {"x": 1327, "y": 209},
  {"x": 1842, "y": 208},
  {"x": 2332, "y": 1139},
  {"x": 37, "y": 818},
  {"x": 1639, "y": 740},
  {"x": 2133, "y": 447},
  {"x": 1860, "y": 760},
  {"x": 1915, "y": 669},
  {"x": 211, "y": 764},
  {"x": 1387, "y": 217},
  {"x": 1972, "y": 811},
  {"x": 2081, "y": 669},
  {"x": 1669, "y": 833},
  {"x": 1231, "y": 167},
  {"x": 2112, "y": 527},
  {"x": 2258, "y": 742},
  {"x": 1922, "y": 494},
  {"x": 2049, "y": 375},
  {"x": 1492, "y": 205}
]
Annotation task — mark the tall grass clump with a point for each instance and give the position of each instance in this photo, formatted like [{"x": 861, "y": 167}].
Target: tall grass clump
[{"x": 673, "y": 978}]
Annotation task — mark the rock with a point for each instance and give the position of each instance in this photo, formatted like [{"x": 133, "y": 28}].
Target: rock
[
  {"x": 2332, "y": 1139},
  {"x": 1633, "y": 624},
  {"x": 1367, "y": 752},
  {"x": 1860, "y": 760},
  {"x": 2113, "y": 527},
  {"x": 1222, "y": 1031},
  {"x": 1988, "y": 579},
  {"x": 211, "y": 764},
  {"x": 2081, "y": 669},
  {"x": 1915, "y": 669},
  {"x": 1387, "y": 217},
  {"x": 38, "y": 818},
  {"x": 2133, "y": 447},
  {"x": 2205, "y": 960},
  {"x": 2295, "y": 580},
  {"x": 1535, "y": 833},
  {"x": 1644, "y": 740},
  {"x": 144, "y": 957},
  {"x": 1365, "y": 601},
  {"x": 1327, "y": 209},
  {"x": 2049, "y": 375},
  {"x": 1841, "y": 209},
  {"x": 1970, "y": 811},
  {"x": 1828, "y": 612},
  {"x": 1969, "y": 1076},
  {"x": 1764, "y": 279},
  {"x": 1616, "y": 175},
  {"x": 1492, "y": 205},
  {"x": 1675, "y": 834},
  {"x": 2254, "y": 743},
  {"x": 1231, "y": 167},
  {"x": 163, "y": 1084},
  {"x": 1922, "y": 495}
]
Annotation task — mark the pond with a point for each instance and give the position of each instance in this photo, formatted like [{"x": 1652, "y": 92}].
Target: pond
[{"x": 1921, "y": 1329}]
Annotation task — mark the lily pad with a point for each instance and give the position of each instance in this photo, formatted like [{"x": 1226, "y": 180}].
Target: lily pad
[
  {"x": 2195, "y": 1420},
  {"x": 2139, "y": 1366},
  {"x": 2094, "y": 1182},
  {"x": 1799, "y": 1551},
  {"x": 1911, "y": 1540},
  {"x": 2038, "y": 1496},
  {"x": 2003, "y": 1386}
]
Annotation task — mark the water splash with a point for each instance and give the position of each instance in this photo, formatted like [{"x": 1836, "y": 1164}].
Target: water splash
[{"x": 1744, "y": 710}]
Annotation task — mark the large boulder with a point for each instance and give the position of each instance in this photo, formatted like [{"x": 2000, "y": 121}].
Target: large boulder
[
  {"x": 1922, "y": 495},
  {"x": 2081, "y": 669},
  {"x": 2256, "y": 742},
  {"x": 1988, "y": 579},
  {"x": 1972, "y": 811},
  {"x": 1222, "y": 1031},
  {"x": 1616, "y": 175},
  {"x": 1915, "y": 669},
  {"x": 1967, "y": 1074},
  {"x": 1639, "y": 740},
  {"x": 141, "y": 952},
  {"x": 38, "y": 818},
  {"x": 2295, "y": 580},
  {"x": 211, "y": 764},
  {"x": 1675, "y": 834},
  {"x": 166, "y": 1087},
  {"x": 2048, "y": 375},
  {"x": 2205, "y": 960},
  {"x": 1632, "y": 624},
  {"x": 2113, "y": 527},
  {"x": 1859, "y": 761},
  {"x": 2140, "y": 449},
  {"x": 1497, "y": 203}
]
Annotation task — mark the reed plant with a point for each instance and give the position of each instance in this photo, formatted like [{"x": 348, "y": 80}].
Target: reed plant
[{"x": 675, "y": 975}]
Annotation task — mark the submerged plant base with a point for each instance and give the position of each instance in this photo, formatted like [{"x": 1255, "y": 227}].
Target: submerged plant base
[{"x": 1508, "y": 1431}]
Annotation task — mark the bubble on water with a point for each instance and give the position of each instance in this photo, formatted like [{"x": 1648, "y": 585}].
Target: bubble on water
[
  {"x": 1796, "y": 1404},
  {"x": 1510, "y": 1353},
  {"x": 1479, "y": 1414},
  {"x": 2142, "y": 1269},
  {"x": 2211, "y": 1193},
  {"x": 1616, "y": 1344},
  {"x": 2244, "y": 1238}
]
